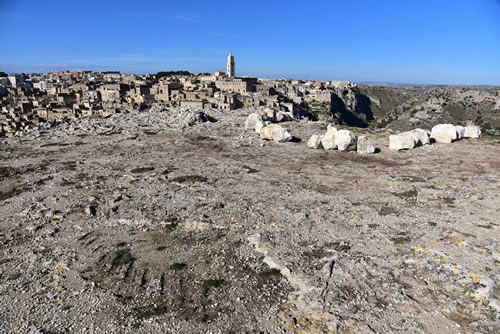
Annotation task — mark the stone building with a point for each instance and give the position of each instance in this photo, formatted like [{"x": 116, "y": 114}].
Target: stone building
[
  {"x": 230, "y": 65},
  {"x": 164, "y": 90},
  {"x": 113, "y": 92},
  {"x": 237, "y": 85}
]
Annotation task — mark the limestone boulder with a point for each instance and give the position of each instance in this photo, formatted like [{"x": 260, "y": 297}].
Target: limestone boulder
[
  {"x": 365, "y": 145},
  {"x": 328, "y": 140},
  {"x": 422, "y": 137},
  {"x": 403, "y": 141},
  {"x": 275, "y": 132},
  {"x": 460, "y": 131},
  {"x": 252, "y": 120},
  {"x": 314, "y": 142},
  {"x": 472, "y": 131},
  {"x": 259, "y": 125},
  {"x": 345, "y": 140},
  {"x": 271, "y": 114},
  {"x": 444, "y": 133},
  {"x": 282, "y": 116}
]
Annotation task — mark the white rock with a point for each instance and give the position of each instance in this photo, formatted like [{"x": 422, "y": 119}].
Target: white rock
[
  {"x": 345, "y": 140},
  {"x": 364, "y": 145},
  {"x": 328, "y": 140},
  {"x": 252, "y": 120},
  {"x": 472, "y": 131},
  {"x": 315, "y": 142},
  {"x": 271, "y": 114},
  {"x": 259, "y": 125},
  {"x": 282, "y": 116},
  {"x": 403, "y": 141},
  {"x": 460, "y": 131},
  {"x": 422, "y": 136},
  {"x": 444, "y": 133},
  {"x": 276, "y": 133}
]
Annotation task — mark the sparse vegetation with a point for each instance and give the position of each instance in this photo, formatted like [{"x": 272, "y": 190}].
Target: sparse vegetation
[
  {"x": 171, "y": 73},
  {"x": 121, "y": 257},
  {"x": 178, "y": 266},
  {"x": 210, "y": 284}
]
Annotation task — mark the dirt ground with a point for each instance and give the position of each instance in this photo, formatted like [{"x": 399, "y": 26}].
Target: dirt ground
[{"x": 209, "y": 229}]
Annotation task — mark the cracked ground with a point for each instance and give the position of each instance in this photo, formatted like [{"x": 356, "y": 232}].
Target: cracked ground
[{"x": 209, "y": 229}]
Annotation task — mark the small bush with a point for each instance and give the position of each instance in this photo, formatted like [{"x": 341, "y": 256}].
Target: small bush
[{"x": 121, "y": 257}]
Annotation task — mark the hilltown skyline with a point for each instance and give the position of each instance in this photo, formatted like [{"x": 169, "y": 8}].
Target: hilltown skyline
[{"x": 426, "y": 42}]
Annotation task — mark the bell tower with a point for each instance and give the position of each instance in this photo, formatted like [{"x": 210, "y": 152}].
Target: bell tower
[{"x": 230, "y": 65}]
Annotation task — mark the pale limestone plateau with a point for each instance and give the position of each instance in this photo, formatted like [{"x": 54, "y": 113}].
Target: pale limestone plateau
[{"x": 185, "y": 221}]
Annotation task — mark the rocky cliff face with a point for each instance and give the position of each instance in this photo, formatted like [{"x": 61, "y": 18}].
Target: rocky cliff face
[{"x": 407, "y": 108}]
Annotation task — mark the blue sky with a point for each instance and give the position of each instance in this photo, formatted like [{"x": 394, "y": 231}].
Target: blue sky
[{"x": 424, "y": 41}]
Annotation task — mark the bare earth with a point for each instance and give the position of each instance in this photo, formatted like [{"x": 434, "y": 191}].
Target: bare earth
[{"x": 207, "y": 229}]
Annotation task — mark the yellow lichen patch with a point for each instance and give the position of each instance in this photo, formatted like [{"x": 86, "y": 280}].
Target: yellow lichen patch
[
  {"x": 434, "y": 181},
  {"x": 423, "y": 250},
  {"x": 476, "y": 278},
  {"x": 351, "y": 215},
  {"x": 60, "y": 266},
  {"x": 389, "y": 230},
  {"x": 458, "y": 242},
  {"x": 438, "y": 196},
  {"x": 394, "y": 183},
  {"x": 455, "y": 269},
  {"x": 482, "y": 252},
  {"x": 476, "y": 295},
  {"x": 444, "y": 258}
]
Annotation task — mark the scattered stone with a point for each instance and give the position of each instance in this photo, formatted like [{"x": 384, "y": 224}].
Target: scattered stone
[
  {"x": 276, "y": 133},
  {"x": 282, "y": 116},
  {"x": 365, "y": 146},
  {"x": 328, "y": 140},
  {"x": 460, "y": 131},
  {"x": 315, "y": 142},
  {"x": 422, "y": 137},
  {"x": 402, "y": 141},
  {"x": 91, "y": 210},
  {"x": 444, "y": 133},
  {"x": 253, "y": 120},
  {"x": 271, "y": 115},
  {"x": 258, "y": 126},
  {"x": 345, "y": 140},
  {"x": 472, "y": 131}
]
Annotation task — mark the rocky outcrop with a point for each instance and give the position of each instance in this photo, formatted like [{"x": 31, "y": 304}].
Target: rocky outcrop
[{"x": 275, "y": 116}]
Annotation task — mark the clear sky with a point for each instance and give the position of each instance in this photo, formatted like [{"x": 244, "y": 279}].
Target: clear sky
[{"x": 419, "y": 41}]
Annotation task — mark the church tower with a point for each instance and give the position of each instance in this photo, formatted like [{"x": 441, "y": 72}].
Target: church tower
[{"x": 230, "y": 65}]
